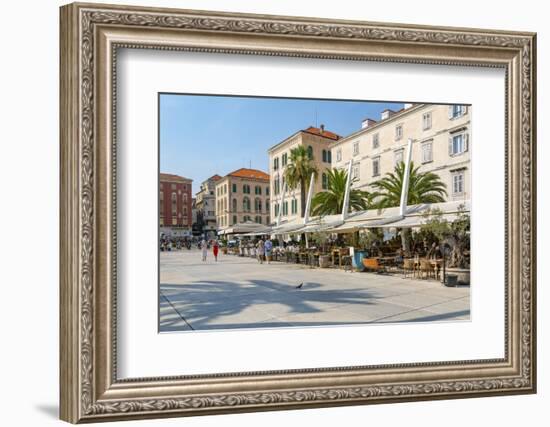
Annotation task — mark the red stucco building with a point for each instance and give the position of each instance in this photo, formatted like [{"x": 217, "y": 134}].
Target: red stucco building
[{"x": 175, "y": 210}]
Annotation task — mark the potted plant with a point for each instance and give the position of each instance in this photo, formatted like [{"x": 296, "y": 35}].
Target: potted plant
[
  {"x": 454, "y": 235},
  {"x": 320, "y": 239}
]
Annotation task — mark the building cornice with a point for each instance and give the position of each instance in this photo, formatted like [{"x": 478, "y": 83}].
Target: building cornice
[{"x": 397, "y": 116}]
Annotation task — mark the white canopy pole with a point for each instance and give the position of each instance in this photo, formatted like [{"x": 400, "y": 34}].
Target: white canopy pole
[
  {"x": 345, "y": 207},
  {"x": 281, "y": 206},
  {"x": 308, "y": 202},
  {"x": 405, "y": 189}
]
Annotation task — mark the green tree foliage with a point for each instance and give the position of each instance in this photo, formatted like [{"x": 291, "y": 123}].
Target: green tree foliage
[
  {"x": 298, "y": 173},
  {"x": 332, "y": 201},
  {"x": 424, "y": 187}
]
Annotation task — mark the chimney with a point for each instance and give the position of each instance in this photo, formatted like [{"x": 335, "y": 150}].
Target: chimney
[
  {"x": 321, "y": 128},
  {"x": 386, "y": 114},
  {"x": 367, "y": 123}
]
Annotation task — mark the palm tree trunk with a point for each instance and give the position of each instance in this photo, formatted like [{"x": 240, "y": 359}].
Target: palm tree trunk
[{"x": 405, "y": 240}]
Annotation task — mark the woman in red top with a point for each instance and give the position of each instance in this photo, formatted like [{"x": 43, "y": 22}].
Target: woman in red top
[{"x": 215, "y": 249}]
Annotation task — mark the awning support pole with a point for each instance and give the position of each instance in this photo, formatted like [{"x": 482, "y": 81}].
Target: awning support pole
[
  {"x": 345, "y": 206},
  {"x": 309, "y": 196},
  {"x": 405, "y": 189}
]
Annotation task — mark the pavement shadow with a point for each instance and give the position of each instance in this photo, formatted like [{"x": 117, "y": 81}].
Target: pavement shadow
[{"x": 200, "y": 303}]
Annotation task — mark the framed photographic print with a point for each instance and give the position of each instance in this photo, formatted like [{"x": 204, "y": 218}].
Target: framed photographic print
[{"x": 267, "y": 212}]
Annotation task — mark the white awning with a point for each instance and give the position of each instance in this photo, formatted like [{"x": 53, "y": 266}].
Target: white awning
[{"x": 415, "y": 216}]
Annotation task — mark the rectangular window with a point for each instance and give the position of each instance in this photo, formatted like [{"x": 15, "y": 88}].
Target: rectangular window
[
  {"x": 275, "y": 163},
  {"x": 427, "y": 121},
  {"x": 234, "y": 188},
  {"x": 267, "y": 191},
  {"x": 458, "y": 144},
  {"x": 398, "y": 157},
  {"x": 285, "y": 157},
  {"x": 339, "y": 155},
  {"x": 355, "y": 171},
  {"x": 398, "y": 132},
  {"x": 427, "y": 153},
  {"x": 456, "y": 111},
  {"x": 458, "y": 183},
  {"x": 356, "y": 148},
  {"x": 375, "y": 141},
  {"x": 376, "y": 166}
]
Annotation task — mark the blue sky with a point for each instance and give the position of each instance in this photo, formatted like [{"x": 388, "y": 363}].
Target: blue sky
[{"x": 204, "y": 135}]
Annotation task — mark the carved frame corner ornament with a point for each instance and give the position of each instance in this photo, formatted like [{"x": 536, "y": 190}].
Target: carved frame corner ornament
[{"x": 90, "y": 37}]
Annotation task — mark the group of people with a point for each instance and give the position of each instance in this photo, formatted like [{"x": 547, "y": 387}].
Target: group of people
[
  {"x": 263, "y": 250},
  {"x": 204, "y": 246}
]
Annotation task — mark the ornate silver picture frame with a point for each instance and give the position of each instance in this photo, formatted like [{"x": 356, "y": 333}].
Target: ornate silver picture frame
[{"x": 91, "y": 35}]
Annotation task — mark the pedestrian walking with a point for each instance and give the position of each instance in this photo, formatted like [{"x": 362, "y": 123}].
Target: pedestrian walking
[
  {"x": 215, "y": 249},
  {"x": 268, "y": 246},
  {"x": 260, "y": 251},
  {"x": 204, "y": 250}
]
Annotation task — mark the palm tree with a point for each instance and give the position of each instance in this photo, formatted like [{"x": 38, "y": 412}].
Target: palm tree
[
  {"x": 332, "y": 201},
  {"x": 298, "y": 173},
  {"x": 424, "y": 187}
]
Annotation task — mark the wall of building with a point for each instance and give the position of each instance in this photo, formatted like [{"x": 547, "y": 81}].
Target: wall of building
[
  {"x": 206, "y": 205},
  {"x": 361, "y": 147},
  {"x": 318, "y": 144},
  {"x": 230, "y": 188},
  {"x": 180, "y": 213}
]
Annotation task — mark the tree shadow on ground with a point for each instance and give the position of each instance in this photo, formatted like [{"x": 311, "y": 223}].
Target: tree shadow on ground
[
  {"x": 432, "y": 318},
  {"x": 201, "y": 303}
]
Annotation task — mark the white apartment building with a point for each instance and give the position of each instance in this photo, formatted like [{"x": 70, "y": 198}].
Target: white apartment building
[
  {"x": 205, "y": 204},
  {"x": 319, "y": 143},
  {"x": 441, "y": 137}
]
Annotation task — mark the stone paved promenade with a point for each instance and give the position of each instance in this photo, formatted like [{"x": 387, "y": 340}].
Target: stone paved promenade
[{"x": 238, "y": 292}]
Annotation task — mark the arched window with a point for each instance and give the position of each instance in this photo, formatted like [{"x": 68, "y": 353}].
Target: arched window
[
  {"x": 234, "y": 219},
  {"x": 234, "y": 205},
  {"x": 257, "y": 205},
  {"x": 310, "y": 152},
  {"x": 259, "y": 219},
  {"x": 325, "y": 181},
  {"x": 174, "y": 204},
  {"x": 246, "y": 204},
  {"x": 277, "y": 186}
]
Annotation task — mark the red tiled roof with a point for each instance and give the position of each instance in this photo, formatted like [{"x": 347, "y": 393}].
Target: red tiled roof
[
  {"x": 172, "y": 178},
  {"x": 250, "y": 173},
  {"x": 325, "y": 133},
  {"x": 214, "y": 178}
]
